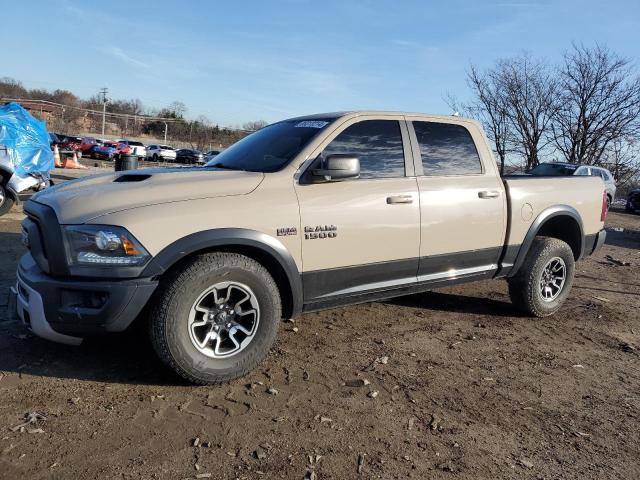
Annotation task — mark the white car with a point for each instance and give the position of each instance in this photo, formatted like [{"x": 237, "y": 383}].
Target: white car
[
  {"x": 161, "y": 152},
  {"x": 137, "y": 148}
]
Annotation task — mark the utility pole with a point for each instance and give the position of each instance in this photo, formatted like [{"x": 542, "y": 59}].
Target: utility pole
[
  {"x": 165, "y": 132},
  {"x": 104, "y": 106}
]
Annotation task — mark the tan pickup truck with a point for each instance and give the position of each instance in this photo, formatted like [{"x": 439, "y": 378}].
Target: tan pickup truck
[{"x": 304, "y": 214}]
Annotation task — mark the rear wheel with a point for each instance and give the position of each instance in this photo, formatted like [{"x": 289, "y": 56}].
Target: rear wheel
[
  {"x": 545, "y": 278},
  {"x": 6, "y": 201},
  {"x": 216, "y": 318}
]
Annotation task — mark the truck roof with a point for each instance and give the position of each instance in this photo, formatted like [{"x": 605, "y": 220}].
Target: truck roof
[{"x": 357, "y": 113}]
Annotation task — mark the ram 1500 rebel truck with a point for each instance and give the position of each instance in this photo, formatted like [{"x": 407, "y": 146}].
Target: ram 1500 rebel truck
[{"x": 304, "y": 214}]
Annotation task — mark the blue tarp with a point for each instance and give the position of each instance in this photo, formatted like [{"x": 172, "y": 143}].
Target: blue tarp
[{"x": 26, "y": 139}]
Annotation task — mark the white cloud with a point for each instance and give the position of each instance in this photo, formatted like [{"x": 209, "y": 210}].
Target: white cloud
[{"x": 118, "y": 53}]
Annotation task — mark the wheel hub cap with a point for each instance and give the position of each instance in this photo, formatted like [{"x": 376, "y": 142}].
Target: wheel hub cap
[
  {"x": 552, "y": 280},
  {"x": 224, "y": 319}
]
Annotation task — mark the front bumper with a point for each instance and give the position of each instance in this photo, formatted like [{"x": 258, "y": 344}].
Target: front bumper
[{"x": 66, "y": 309}]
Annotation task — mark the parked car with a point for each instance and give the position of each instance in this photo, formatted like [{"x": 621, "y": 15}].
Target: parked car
[
  {"x": 633, "y": 201},
  {"x": 216, "y": 264},
  {"x": 70, "y": 143},
  {"x": 53, "y": 139},
  {"x": 87, "y": 144},
  {"x": 211, "y": 154},
  {"x": 187, "y": 155},
  {"x": 567, "y": 169},
  {"x": 137, "y": 148},
  {"x": 107, "y": 151},
  {"x": 161, "y": 152}
]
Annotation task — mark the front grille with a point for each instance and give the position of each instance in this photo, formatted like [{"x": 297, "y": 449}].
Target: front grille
[
  {"x": 36, "y": 240},
  {"x": 45, "y": 238}
]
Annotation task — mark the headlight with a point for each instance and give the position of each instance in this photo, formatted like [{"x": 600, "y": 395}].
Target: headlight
[{"x": 103, "y": 245}]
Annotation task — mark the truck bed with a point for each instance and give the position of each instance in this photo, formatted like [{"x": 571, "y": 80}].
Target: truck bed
[{"x": 528, "y": 196}]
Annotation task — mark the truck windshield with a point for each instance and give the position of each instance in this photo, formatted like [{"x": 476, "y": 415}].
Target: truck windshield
[
  {"x": 554, "y": 169},
  {"x": 270, "y": 148}
]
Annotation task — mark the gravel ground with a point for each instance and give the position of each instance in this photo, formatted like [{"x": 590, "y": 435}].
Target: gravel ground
[{"x": 452, "y": 384}]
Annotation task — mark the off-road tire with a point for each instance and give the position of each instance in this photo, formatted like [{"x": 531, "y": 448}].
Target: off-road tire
[
  {"x": 169, "y": 317},
  {"x": 8, "y": 201},
  {"x": 524, "y": 287}
]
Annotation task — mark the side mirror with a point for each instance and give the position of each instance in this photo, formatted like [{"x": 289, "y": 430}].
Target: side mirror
[{"x": 338, "y": 167}]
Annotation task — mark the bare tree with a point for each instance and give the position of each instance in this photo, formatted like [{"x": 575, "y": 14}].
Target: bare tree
[
  {"x": 622, "y": 159},
  {"x": 490, "y": 108},
  {"x": 598, "y": 104},
  {"x": 254, "y": 125},
  {"x": 178, "y": 109},
  {"x": 529, "y": 91}
]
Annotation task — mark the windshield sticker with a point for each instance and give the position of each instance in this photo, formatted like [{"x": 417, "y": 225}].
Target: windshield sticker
[{"x": 311, "y": 124}]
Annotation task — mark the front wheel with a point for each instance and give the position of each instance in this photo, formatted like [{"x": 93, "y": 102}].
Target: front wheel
[
  {"x": 545, "y": 278},
  {"x": 6, "y": 201},
  {"x": 216, "y": 318}
]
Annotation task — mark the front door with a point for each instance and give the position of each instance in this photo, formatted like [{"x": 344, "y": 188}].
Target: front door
[{"x": 362, "y": 235}]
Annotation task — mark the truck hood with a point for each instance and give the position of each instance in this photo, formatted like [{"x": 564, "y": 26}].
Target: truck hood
[{"x": 81, "y": 200}]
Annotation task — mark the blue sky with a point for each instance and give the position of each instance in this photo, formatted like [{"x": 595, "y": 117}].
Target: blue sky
[{"x": 244, "y": 60}]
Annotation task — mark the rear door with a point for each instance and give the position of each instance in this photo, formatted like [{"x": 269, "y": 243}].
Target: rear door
[
  {"x": 362, "y": 235},
  {"x": 462, "y": 201}
]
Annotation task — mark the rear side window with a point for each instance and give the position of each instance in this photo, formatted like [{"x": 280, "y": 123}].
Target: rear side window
[
  {"x": 447, "y": 149},
  {"x": 601, "y": 173},
  {"x": 378, "y": 145}
]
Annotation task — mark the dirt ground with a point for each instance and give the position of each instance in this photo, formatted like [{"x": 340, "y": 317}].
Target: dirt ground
[{"x": 465, "y": 388}]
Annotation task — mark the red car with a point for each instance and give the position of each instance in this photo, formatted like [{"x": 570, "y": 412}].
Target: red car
[
  {"x": 87, "y": 144},
  {"x": 122, "y": 148},
  {"x": 70, "y": 143}
]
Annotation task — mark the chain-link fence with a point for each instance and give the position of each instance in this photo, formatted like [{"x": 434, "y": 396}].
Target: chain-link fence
[{"x": 177, "y": 132}]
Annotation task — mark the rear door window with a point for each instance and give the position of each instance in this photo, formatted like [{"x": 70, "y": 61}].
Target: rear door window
[
  {"x": 447, "y": 149},
  {"x": 378, "y": 145}
]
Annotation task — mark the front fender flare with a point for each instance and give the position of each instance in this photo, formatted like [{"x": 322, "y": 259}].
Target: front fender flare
[{"x": 229, "y": 237}]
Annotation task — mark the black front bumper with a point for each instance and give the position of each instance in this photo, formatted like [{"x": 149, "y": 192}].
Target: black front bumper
[{"x": 80, "y": 306}]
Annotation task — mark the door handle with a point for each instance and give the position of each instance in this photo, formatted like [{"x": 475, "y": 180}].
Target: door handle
[
  {"x": 394, "y": 199},
  {"x": 489, "y": 194}
]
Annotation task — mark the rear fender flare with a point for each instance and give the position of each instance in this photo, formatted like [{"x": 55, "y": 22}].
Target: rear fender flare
[{"x": 541, "y": 219}]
